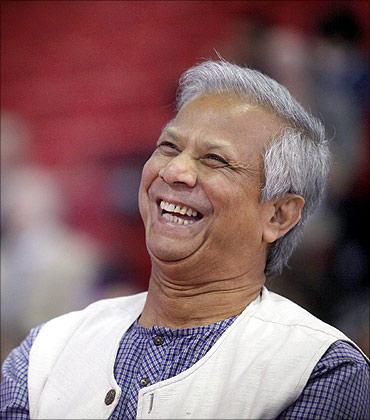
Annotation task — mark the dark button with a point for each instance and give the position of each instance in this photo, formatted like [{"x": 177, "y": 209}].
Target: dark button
[
  {"x": 109, "y": 398},
  {"x": 144, "y": 381},
  {"x": 158, "y": 340}
]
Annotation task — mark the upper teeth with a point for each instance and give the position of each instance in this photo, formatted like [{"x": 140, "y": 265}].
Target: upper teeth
[{"x": 175, "y": 208}]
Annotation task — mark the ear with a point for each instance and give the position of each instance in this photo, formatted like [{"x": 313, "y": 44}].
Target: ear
[{"x": 282, "y": 214}]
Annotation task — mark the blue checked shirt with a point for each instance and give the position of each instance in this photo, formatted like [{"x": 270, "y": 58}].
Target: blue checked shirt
[{"x": 338, "y": 387}]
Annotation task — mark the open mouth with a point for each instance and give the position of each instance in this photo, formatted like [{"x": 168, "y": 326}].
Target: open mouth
[{"x": 178, "y": 213}]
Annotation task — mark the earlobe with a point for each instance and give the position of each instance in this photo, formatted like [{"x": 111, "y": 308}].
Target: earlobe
[{"x": 282, "y": 215}]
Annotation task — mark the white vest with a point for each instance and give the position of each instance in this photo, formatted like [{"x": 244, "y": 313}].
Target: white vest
[{"x": 257, "y": 368}]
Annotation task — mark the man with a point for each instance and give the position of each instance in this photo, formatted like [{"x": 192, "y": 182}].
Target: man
[{"x": 223, "y": 198}]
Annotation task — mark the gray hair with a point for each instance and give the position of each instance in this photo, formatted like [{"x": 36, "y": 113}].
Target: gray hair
[{"x": 296, "y": 161}]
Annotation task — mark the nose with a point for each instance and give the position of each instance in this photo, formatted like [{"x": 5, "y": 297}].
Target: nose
[{"x": 180, "y": 170}]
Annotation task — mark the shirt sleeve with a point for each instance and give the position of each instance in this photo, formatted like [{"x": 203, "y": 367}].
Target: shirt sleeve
[
  {"x": 14, "y": 383},
  {"x": 338, "y": 388}
]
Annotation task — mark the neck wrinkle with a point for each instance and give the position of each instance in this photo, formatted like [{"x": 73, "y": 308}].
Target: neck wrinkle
[{"x": 175, "y": 305}]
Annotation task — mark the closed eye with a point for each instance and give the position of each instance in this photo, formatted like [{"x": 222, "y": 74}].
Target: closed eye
[
  {"x": 168, "y": 144},
  {"x": 167, "y": 147},
  {"x": 218, "y": 158}
]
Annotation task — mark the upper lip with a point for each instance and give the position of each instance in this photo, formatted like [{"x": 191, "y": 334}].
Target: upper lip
[
  {"x": 180, "y": 195},
  {"x": 202, "y": 210}
]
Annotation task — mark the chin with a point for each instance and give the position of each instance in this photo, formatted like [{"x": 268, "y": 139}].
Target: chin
[{"x": 167, "y": 251}]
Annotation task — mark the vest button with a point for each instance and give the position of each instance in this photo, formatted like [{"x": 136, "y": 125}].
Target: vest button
[
  {"x": 144, "y": 381},
  {"x": 158, "y": 340},
  {"x": 109, "y": 398}
]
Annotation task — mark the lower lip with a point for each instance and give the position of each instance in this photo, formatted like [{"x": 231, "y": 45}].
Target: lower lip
[{"x": 172, "y": 226}]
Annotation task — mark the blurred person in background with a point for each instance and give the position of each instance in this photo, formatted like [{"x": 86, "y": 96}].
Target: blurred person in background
[
  {"x": 46, "y": 267},
  {"x": 224, "y": 198},
  {"x": 327, "y": 70},
  {"x": 340, "y": 73}
]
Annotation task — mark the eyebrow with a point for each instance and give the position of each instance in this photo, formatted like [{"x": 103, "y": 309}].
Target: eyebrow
[
  {"x": 248, "y": 169},
  {"x": 209, "y": 144},
  {"x": 170, "y": 131}
]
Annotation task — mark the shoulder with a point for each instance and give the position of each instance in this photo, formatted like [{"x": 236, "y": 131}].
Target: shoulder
[
  {"x": 339, "y": 387},
  {"x": 342, "y": 356},
  {"x": 14, "y": 384},
  {"x": 42, "y": 339},
  {"x": 16, "y": 363},
  {"x": 72, "y": 333},
  {"x": 285, "y": 313},
  {"x": 56, "y": 331},
  {"x": 108, "y": 307}
]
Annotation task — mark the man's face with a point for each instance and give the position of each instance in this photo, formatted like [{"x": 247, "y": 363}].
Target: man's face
[{"x": 200, "y": 190}]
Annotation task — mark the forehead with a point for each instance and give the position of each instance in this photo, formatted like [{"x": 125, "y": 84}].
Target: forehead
[{"x": 227, "y": 121}]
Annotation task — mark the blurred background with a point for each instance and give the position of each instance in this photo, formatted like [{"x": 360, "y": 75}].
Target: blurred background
[{"x": 86, "y": 88}]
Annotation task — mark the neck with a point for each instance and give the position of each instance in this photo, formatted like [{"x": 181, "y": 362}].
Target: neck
[{"x": 182, "y": 304}]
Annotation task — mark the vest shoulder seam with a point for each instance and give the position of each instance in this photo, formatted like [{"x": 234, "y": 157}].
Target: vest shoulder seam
[{"x": 339, "y": 334}]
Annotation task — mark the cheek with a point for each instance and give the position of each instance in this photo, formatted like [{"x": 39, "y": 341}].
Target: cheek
[
  {"x": 237, "y": 208},
  {"x": 148, "y": 175},
  {"x": 229, "y": 196}
]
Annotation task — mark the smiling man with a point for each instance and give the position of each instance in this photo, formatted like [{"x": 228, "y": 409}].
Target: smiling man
[
  {"x": 211, "y": 260},
  {"x": 223, "y": 198}
]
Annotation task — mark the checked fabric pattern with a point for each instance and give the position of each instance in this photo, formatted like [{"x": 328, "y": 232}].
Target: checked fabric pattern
[{"x": 338, "y": 387}]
